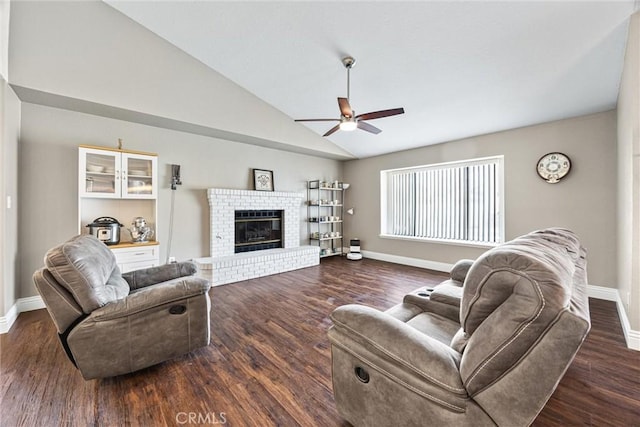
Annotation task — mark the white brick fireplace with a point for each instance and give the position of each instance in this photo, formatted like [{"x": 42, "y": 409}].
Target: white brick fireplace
[{"x": 225, "y": 265}]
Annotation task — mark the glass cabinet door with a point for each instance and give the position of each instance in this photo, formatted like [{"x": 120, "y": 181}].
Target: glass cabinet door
[
  {"x": 138, "y": 172},
  {"x": 99, "y": 173}
]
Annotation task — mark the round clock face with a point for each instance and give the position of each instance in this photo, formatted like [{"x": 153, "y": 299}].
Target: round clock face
[{"x": 553, "y": 167}]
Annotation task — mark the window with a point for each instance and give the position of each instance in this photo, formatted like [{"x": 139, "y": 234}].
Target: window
[{"x": 452, "y": 202}]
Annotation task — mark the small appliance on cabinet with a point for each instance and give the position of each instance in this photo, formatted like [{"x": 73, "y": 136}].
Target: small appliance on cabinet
[{"x": 106, "y": 229}]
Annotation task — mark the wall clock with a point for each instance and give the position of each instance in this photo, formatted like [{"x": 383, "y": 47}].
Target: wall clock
[{"x": 552, "y": 167}]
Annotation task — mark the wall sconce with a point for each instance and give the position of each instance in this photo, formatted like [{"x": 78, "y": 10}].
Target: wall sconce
[{"x": 350, "y": 211}]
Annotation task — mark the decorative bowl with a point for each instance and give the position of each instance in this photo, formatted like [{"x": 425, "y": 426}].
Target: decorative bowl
[{"x": 95, "y": 168}]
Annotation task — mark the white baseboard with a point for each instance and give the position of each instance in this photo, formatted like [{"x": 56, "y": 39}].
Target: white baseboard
[
  {"x": 7, "y": 320},
  {"x": 601, "y": 292},
  {"x": 598, "y": 292},
  {"x": 632, "y": 337},
  {"x": 414, "y": 262},
  {"x": 22, "y": 305}
]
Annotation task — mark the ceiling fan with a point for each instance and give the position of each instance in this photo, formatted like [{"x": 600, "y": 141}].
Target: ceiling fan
[{"x": 348, "y": 120}]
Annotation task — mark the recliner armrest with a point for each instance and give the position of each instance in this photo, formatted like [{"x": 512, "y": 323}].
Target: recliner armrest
[
  {"x": 394, "y": 340},
  {"x": 150, "y": 276},
  {"x": 460, "y": 270},
  {"x": 150, "y": 297}
]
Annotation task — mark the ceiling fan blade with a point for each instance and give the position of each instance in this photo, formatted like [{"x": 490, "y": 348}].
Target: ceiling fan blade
[
  {"x": 380, "y": 114},
  {"x": 332, "y": 130},
  {"x": 317, "y": 120},
  {"x": 368, "y": 128},
  {"x": 345, "y": 108}
]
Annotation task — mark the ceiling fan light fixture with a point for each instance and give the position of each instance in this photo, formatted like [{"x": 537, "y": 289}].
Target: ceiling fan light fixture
[
  {"x": 348, "y": 125},
  {"x": 348, "y": 119}
]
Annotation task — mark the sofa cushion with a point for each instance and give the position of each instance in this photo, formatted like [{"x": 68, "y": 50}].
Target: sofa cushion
[{"x": 88, "y": 270}]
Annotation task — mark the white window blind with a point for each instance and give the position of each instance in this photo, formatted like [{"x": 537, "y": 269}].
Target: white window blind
[{"x": 453, "y": 202}]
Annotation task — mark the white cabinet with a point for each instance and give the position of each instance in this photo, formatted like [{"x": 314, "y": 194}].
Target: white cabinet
[
  {"x": 121, "y": 184},
  {"x": 115, "y": 174},
  {"x": 136, "y": 256}
]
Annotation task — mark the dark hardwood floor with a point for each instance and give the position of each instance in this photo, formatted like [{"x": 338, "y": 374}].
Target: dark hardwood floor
[{"x": 269, "y": 362}]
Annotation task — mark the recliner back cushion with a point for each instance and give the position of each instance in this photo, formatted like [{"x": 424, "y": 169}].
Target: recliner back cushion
[
  {"x": 511, "y": 295},
  {"x": 88, "y": 270}
]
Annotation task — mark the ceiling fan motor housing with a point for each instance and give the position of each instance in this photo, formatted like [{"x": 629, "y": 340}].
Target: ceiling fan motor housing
[{"x": 348, "y": 61}]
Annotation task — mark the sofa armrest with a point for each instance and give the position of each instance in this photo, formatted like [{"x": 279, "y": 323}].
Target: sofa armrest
[
  {"x": 150, "y": 297},
  {"x": 150, "y": 276},
  {"x": 406, "y": 347},
  {"x": 460, "y": 270}
]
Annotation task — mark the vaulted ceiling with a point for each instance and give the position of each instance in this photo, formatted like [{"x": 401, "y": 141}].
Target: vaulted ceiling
[{"x": 458, "y": 68}]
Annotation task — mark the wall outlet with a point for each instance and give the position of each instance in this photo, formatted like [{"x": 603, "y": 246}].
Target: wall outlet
[{"x": 172, "y": 260}]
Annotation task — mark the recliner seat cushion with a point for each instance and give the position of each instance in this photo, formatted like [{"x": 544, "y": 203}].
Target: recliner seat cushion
[{"x": 88, "y": 270}]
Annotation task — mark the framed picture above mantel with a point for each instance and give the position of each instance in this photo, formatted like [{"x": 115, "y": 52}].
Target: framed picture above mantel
[{"x": 263, "y": 180}]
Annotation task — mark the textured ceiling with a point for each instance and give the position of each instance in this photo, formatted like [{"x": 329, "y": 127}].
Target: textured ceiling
[{"x": 458, "y": 68}]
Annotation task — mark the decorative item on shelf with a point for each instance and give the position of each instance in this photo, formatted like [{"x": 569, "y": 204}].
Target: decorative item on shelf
[
  {"x": 552, "y": 167},
  {"x": 95, "y": 168},
  {"x": 140, "y": 232},
  {"x": 263, "y": 180}
]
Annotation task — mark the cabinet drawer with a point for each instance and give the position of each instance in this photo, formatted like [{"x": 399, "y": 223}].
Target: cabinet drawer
[
  {"x": 130, "y": 266},
  {"x": 136, "y": 254}
]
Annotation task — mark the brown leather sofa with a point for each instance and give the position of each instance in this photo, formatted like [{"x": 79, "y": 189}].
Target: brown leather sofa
[
  {"x": 487, "y": 347},
  {"x": 111, "y": 324}
]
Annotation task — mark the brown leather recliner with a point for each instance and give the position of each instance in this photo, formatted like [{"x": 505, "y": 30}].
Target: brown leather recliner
[
  {"x": 111, "y": 324},
  {"x": 489, "y": 352}
]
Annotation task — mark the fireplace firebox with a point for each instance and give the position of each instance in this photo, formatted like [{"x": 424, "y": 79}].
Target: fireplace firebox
[{"x": 258, "y": 230}]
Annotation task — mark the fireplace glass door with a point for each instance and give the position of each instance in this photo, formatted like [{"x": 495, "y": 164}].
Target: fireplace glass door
[{"x": 258, "y": 230}]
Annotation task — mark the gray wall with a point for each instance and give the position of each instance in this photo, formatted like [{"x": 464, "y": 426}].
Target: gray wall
[
  {"x": 629, "y": 178},
  {"x": 10, "y": 134},
  {"x": 585, "y": 201},
  {"x": 90, "y": 51},
  {"x": 48, "y": 178}
]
